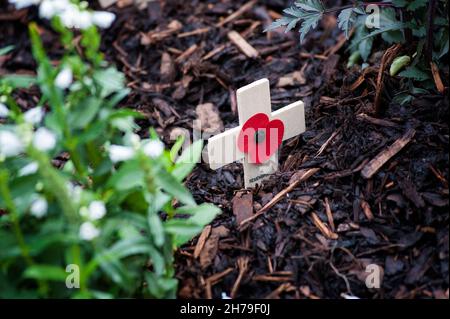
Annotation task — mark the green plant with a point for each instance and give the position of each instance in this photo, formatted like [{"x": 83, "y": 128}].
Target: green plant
[
  {"x": 421, "y": 22},
  {"x": 79, "y": 190}
]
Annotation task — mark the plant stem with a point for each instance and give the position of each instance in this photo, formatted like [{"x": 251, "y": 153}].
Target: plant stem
[{"x": 12, "y": 209}]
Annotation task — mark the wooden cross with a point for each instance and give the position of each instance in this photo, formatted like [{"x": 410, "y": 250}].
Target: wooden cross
[{"x": 226, "y": 147}]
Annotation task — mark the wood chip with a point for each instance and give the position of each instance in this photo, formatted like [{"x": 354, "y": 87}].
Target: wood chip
[
  {"x": 291, "y": 79},
  {"x": 242, "y": 206},
  {"x": 323, "y": 227},
  {"x": 211, "y": 246},
  {"x": 208, "y": 119},
  {"x": 242, "y": 44},
  {"x": 437, "y": 78},
  {"x": 186, "y": 54},
  {"x": 167, "y": 70},
  {"x": 157, "y": 35},
  {"x": 385, "y": 155},
  {"x": 237, "y": 13},
  {"x": 366, "y": 209},
  {"x": 201, "y": 241},
  {"x": 329, "y": 214}
]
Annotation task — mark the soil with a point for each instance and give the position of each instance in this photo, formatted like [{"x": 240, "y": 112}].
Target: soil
[{"x": 317, "y": 239}]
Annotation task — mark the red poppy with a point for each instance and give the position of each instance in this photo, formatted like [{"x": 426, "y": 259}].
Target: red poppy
[{"x": 260, "y": 138}]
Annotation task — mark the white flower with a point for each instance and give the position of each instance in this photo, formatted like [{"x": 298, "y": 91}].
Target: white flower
[
  {"x": 10, "y": 144},
  {"x": 49, "y": 8},
  {"x": 39, "y": 207},
  {"x": 44, "y": 139},
  {"x": 73, "y": 17},
  {"x": 88, "y": 231},
  {"x": 64, "y": 78},
  {"x": 4, "y": 111},
  {"x": 19, "y": 4},
  {"x": 119, "y": 153},
  {"x": 84, "y": 20},
  {"x": 75, "y": 192},
  {"x": 97, "y": 210},
  {"x": 34, "y": 115},
  {"x": 103, "y": 19},
  {"x": 29, "y": 169},
  {"x": 46, "y": 9},
  {"x": 153, "y": 148}
]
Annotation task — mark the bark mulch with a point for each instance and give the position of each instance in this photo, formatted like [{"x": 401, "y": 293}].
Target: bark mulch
[{"x": 332, "y": 209}]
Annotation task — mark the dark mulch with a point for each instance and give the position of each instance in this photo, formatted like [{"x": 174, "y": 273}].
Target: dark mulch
[{"x": 398, "y": 219}]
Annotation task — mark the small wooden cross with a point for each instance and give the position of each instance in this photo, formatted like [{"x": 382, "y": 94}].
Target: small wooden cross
[{"x": 255, "y": 110}]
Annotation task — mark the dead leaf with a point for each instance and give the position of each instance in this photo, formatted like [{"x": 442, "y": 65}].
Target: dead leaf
[
  {"x": 292, "y": 79},
  {"x": 208, "y": 119},
  {"x": 211, "y": 246},
  {"x": 167, "y": 69},
  {"x": 242, "y": 206}
]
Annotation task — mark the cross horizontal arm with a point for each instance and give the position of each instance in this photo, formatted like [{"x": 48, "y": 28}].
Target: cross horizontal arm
[
  {"x": 293, "y": 118},
  {"x": 222, "y": 149}
]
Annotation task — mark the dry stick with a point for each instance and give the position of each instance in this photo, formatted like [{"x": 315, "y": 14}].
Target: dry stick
[
  {"x": 388, "y": 56},
  {"x": 237, "y": 13},
  {"x": 322, "y": 227},
  {"x": 437, "y": 78},
  {"x": 242, "y": 263},
  {"x": 194, "y": 32},
  {"x": 201, "y": 241},
  {"x": 373, "y": 120},
  {"x": 327, "y": 142},
  {"x": 329, "y": 214},
  {"x": 212, "y": 280},
  {"x": 307, "y": 174},
  {"x": 385, "y": 155},
  {"x": 182, "y": 57},
  {"x": 242, "y": 44}
]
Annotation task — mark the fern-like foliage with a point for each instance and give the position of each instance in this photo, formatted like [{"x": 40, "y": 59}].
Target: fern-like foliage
[{"x": 306, "y": 12}]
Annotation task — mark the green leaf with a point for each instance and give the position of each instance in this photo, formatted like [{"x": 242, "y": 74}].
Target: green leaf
[
  {"x": 156, "y": 229},
  {"x": 187, "y": 161},
  {"x": 176, "y": 147},
  {"x": 345, "y": 20},
  {"x": 308, "y": 24},
  {"x": 45, "y": 272},
  {"x": 416, "y": 4},
  {"x": 204, "y": 214},
  {"x": 310, "y": 5},
  {"x": 6, "y": 50},
  {"x": 85, "y": 112},
  {"x": 174, "y": 187},
  {"x": 128, "y": 176},
  {"x": 415, "y": 73},
  {"x": 110, "y": 80},
  {"x": 19, "y": 80},
  {"x": 308, "y": 12}
]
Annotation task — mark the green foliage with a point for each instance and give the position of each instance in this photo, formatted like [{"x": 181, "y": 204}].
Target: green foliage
[
  {"x": 116, "y": 208},
  {"x": 306, "y": 12},
  {"x": 395, "y": 20}
]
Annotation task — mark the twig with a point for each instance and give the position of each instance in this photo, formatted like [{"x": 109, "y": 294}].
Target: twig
[
  {"x": 237, "y": 13},
  {"x": 385, "y": 155},
  {"x": 242, "y": 263},
  {"x": 322, "y": 227},
  {"x": 303, "y": 177},
  {"x": 388, "y": 56}
]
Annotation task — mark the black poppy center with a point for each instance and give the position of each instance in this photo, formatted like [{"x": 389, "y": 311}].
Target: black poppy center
[{"x": 260, "y": 136}]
